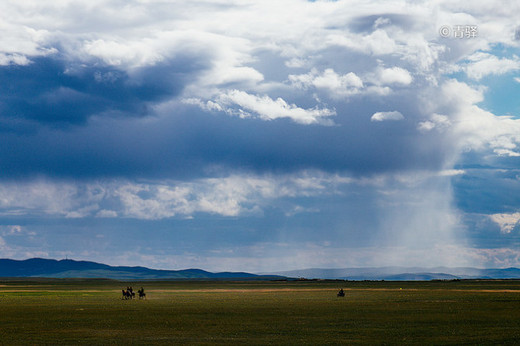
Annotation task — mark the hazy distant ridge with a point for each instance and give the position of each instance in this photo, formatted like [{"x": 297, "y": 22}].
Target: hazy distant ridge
[
  {"x": 38, "y": 267},
  {"x": 50, "y": 268},
  {"x": 404, "y": 273}
]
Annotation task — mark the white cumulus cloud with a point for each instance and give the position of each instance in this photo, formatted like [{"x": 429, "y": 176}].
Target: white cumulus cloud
[
  {"x": 335, "y": 84},
  {"x": 484, "y": 64},
  {"x": 507, "y": 222},
  {"x": 385, "y": 116},
  {"x": 394, "y": 75},
  {"x": 268, "y": 109},
  {"x": 473, "y": 128}
]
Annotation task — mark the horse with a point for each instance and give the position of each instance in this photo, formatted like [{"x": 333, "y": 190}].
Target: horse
[
  {"x": 341, "y": 293},
  {"x": 127, "y": 294},
  {"x": 142, "y": 295}
]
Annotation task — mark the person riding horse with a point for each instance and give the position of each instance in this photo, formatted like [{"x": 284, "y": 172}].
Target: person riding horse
[
  {"x": 141, "y": 293},
  {"x": 341, "y": 293},
  {"x": 128, "y": 293}
]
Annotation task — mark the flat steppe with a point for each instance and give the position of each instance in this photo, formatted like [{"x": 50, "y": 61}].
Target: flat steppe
[{"x": 74, "y": 311}]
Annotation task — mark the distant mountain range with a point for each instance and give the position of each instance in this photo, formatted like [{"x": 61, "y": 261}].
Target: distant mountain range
[
  {"x": 50, "y": 268},
  {"x": 403, "y": 273}
]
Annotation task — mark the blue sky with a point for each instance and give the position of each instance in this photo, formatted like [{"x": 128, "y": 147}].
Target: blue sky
[{"x": 259, "y": 135}]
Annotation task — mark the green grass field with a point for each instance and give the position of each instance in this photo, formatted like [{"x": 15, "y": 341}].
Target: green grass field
[{"x": 53, "y": 312}]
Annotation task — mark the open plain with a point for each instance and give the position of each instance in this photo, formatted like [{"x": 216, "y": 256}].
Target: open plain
[{"x": 47, "y": 311}]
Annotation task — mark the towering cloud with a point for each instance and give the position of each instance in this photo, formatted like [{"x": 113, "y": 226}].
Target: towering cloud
[{"x": 348, "y": 133}]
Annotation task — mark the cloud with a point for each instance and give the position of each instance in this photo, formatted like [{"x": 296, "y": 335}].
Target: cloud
[
  {"x": 38, "y": 197},
  {"x": 106, "y": 213},
  {"x": 16, "y": 59},
  {"x": 485, "y": 64},
  {"x": 484, "y": 190},
  {"x": 451, "y": 172},
  {"x": 133, "y": 54},
  {"x": 337, "y": 85},
  {"x": 269, "y": 109},
  {"x": 474, "y": 127},
  {"x": 436, "y": 121},
  {"x": 394, "y": 75},
  {"x": 200, "y": 118},
  {"x": 507, "y": 222},
  {"x": 230, "y": 196},
  {"x": 49, "y": 91},
  {"x": 188, "y": 142},
  {"x": 378, "y": 42},
  {"x": 381, "y": 81},
  {"x": 11, "y": 230},
  {"x": 385, "y": 116}
]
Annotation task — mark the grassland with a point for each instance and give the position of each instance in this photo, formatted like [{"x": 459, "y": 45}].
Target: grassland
[{"x": 50, "y": 312}]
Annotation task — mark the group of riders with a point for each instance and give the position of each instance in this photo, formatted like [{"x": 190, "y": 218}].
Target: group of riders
[{"x": 130, "y": 294}]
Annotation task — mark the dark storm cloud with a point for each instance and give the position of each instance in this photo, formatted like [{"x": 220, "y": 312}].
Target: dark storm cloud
[
  {"x": 487, "y": 190},
  {"x": 483, "y": 232},
  {"x": 118, "y": 131},
  {"x": 187, "y": 142},
  {"x": 57, "y": 92}
]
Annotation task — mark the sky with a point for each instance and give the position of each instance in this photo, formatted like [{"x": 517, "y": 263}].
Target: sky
[{"x": 261, "y": 136}]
